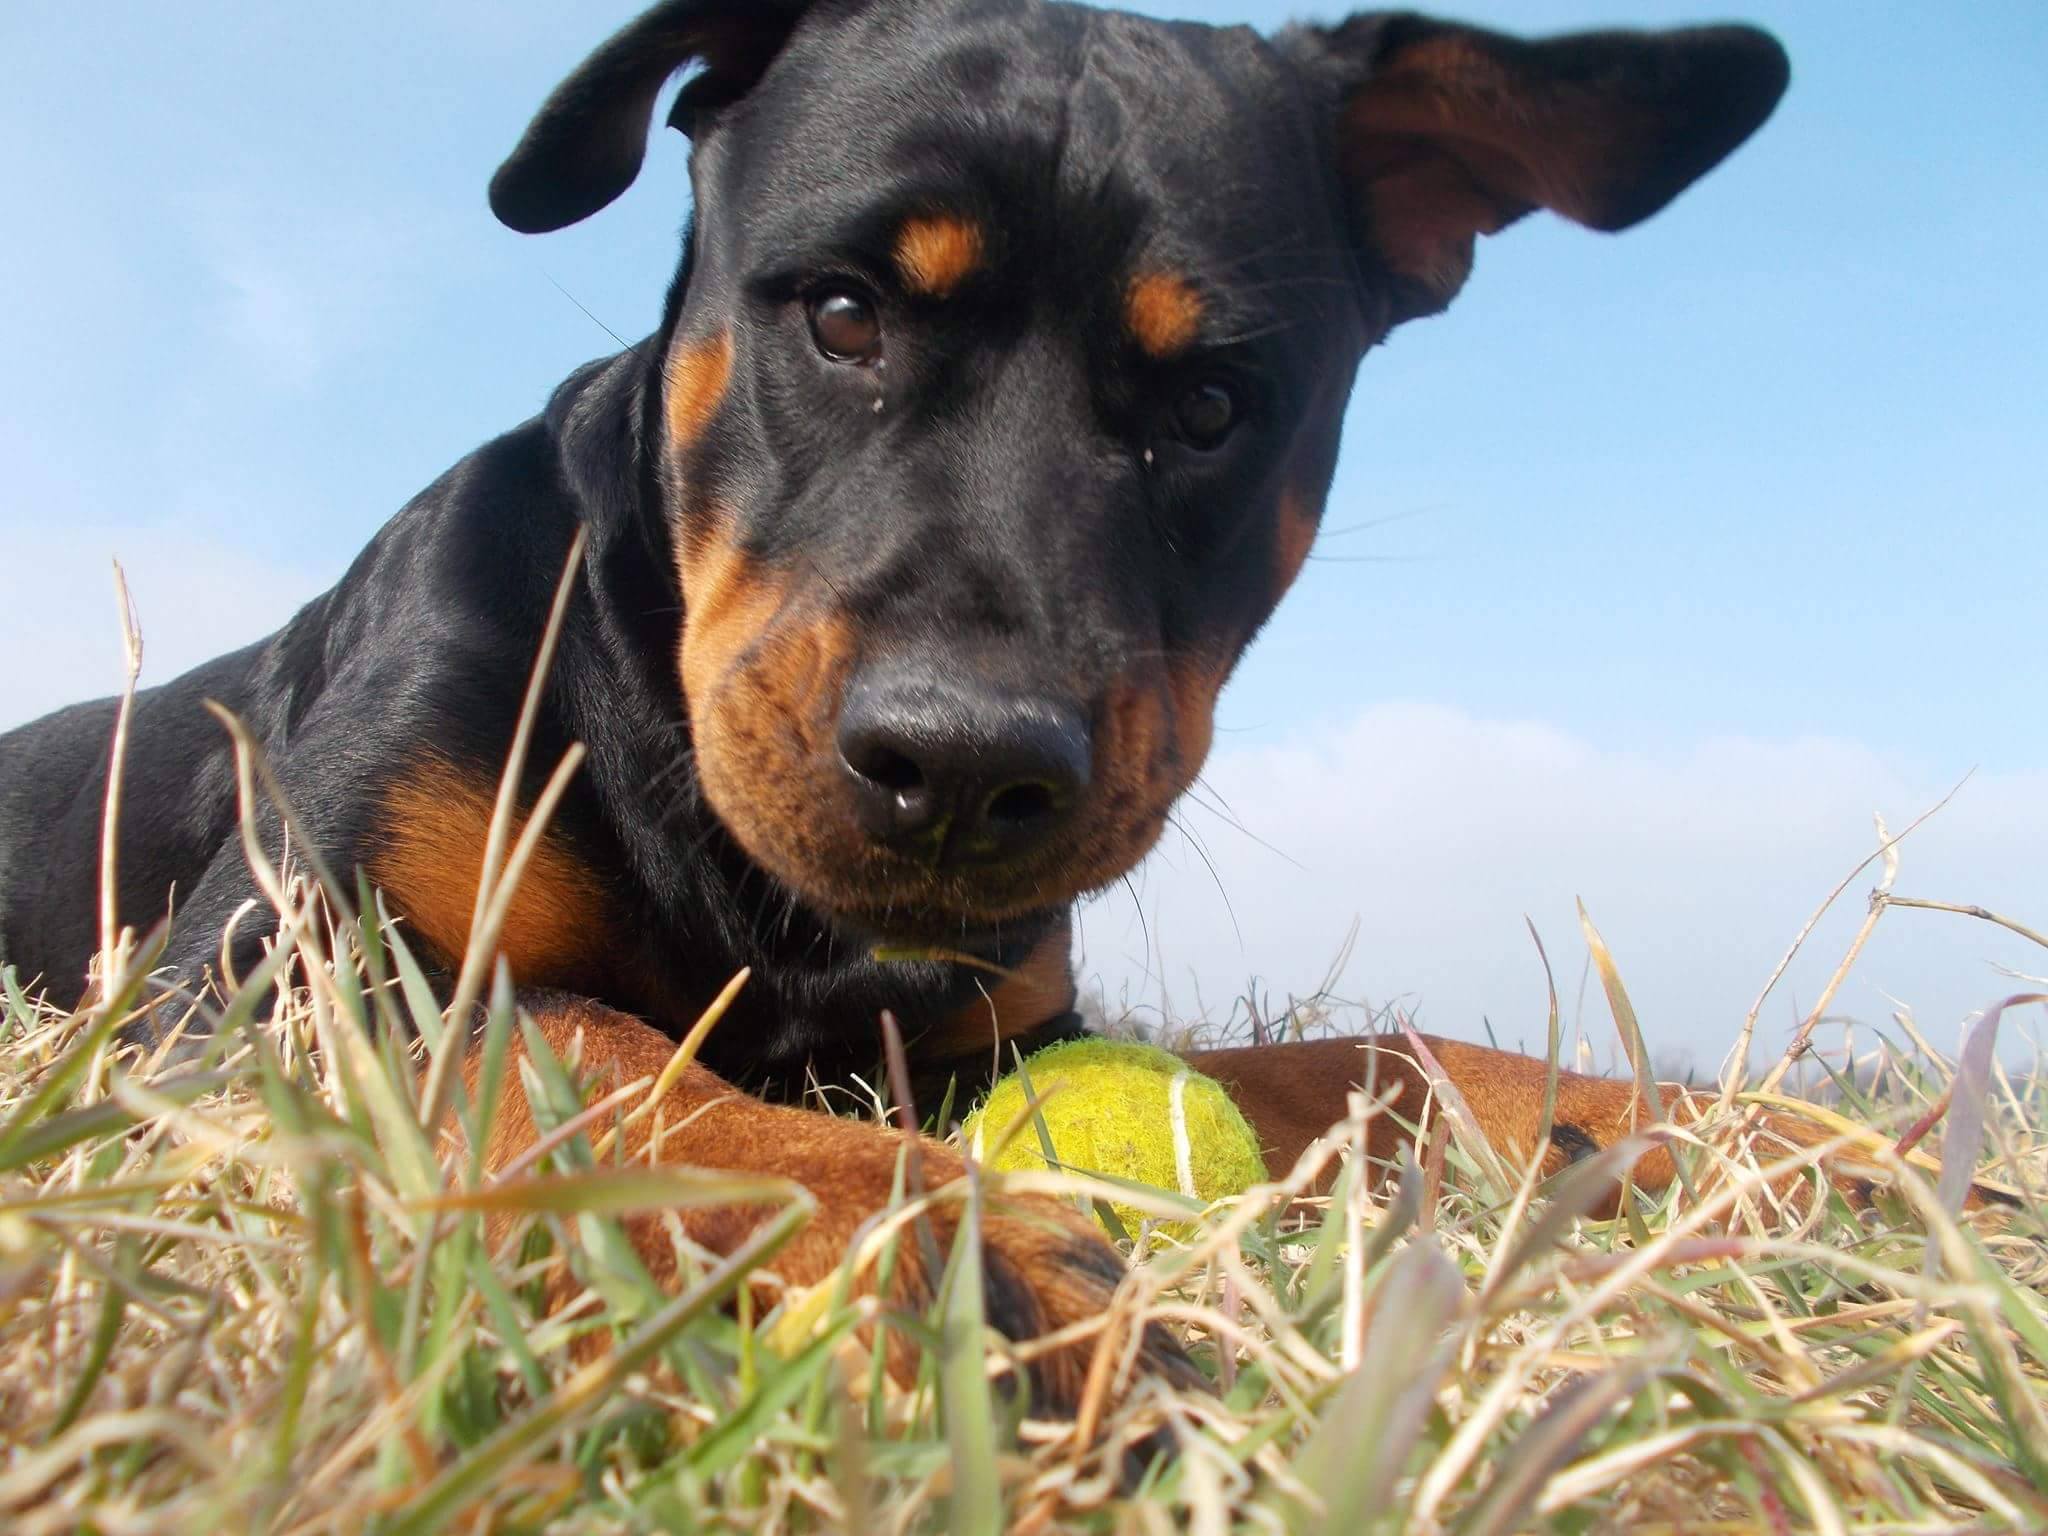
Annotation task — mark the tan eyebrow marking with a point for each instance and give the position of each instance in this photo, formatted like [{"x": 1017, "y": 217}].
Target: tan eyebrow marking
[
  {"x": 1294, "y": 536},
  {"x": 1162, "y": 311},
  {"x": 935, "y": 251},
  {"x": 697, "y": 375}
]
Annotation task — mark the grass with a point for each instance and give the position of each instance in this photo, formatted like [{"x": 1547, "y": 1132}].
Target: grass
[{"x": 249, "y": 1293}]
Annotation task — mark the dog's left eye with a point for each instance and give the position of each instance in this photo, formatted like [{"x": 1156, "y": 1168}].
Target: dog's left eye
[
  {"x": 845, "y": 326},
  {"x": 1205, "y": 414}
]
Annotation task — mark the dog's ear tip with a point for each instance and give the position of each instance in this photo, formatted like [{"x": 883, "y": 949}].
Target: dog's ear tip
[
  {"x": 547, "y": 184},
  {"x": 512, "y": 205},
  {"x": 586, "y": 144},
  {"x": 1735, "y": 78},
  {"x": 1752, "y": 69},
  {"x": 1762, "y": 50},
  {"x": 523, "y": 202}
]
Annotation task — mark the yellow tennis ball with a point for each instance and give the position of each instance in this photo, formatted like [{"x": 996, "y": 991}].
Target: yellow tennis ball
[{"x": 1127, "y": 1110}]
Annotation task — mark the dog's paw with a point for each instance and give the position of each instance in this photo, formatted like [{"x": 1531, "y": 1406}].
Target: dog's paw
[{"x": 1046, "y": 1269}]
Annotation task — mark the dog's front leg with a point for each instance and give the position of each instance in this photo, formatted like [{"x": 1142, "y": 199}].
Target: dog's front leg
[{"x": 1046, "y": 1266}]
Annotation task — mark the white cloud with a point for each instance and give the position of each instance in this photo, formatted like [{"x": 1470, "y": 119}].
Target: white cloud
[{"x": 1437, "y": 832}]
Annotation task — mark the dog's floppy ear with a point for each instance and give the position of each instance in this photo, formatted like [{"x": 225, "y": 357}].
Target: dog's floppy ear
[
  {"x": 584, "y": 147},
  {"x": 1445, "y": 132}
]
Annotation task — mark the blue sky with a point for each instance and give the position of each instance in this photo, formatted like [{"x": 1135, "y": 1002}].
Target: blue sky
[{"x": 1652, "y": 570}]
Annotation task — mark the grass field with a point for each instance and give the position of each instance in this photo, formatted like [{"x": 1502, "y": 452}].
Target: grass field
[{"x": 248, "y": 1292}]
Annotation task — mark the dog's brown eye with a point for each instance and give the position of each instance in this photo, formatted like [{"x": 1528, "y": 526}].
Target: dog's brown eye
[
  {"x": 845, "y": 326},
  {"x": 1206, "y": 413}
]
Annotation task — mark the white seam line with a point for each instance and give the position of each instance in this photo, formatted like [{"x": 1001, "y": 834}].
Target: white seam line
[{"x": 1183, "y": 1155}]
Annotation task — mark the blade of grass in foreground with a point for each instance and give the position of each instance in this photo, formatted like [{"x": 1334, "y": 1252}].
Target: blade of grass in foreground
[
  {"x": 59, "y": 1082},
  {"x": 1547, "y": 1445},
  {"x": 1965, "y": 1132},
  {"x": 1357, "y": 1454},
  {"x": 432, "y": 1508},
  {"x": 740, "y": 1430},
  {"x": 966, "y": 1405},
  {"x": 618, "y": 1191}
]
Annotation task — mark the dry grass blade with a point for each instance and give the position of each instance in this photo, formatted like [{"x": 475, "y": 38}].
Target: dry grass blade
[
  {"x": 1458, "y": 1114},
  {"x": 618, "y": 1191},
  {"x": 338, "y": 1019},
  {"x": 1649, "y": 1104},
  {"x": 1735, "y": 1072},
  {"x": 1969, "y": 909},
  {"x": 1888, "y": 851},
  {"x": 476, "y": 964},
  {"x": 1964, "y": 1139},
  {"x": 112, "y": 945},
  {"x": 1577, "y": 1191},
  {"x": 1552, "y": 1036}
]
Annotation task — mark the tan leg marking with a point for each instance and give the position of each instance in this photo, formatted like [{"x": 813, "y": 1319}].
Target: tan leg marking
[{"x": 435, "y": 821}]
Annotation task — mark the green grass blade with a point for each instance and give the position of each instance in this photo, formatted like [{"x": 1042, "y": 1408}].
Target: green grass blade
[{"x": 966, "y": 1405}]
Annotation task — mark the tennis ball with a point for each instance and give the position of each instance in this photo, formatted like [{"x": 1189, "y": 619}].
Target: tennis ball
[{"x": 1127, "y": 1110}]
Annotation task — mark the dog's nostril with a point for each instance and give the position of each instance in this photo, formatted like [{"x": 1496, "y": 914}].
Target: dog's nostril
[
  {"x": 1018, "y": 805},
  {"x": 889, "y": 768}
]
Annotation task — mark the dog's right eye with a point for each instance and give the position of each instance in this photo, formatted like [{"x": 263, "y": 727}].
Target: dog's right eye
[{"x": 845, "y": 326}]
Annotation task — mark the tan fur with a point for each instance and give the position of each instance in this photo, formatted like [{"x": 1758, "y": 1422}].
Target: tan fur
[
  {"x": 698, "y": 373},
  {"x": 1294, "y": 535},
  {"x": 763, "y": 685},
  {"x": 1162, "y": 312},
  {"x": 437, "y": 819},
  {"x": 1013, "y": 1004},
  {"x": 935, "y": 252},
  {"x": 1293, "y": 1093},
  {"x": 1153, "y": 736},
  {"x": 729, "y": 601},
  {"x": 1192, "y": 683}
]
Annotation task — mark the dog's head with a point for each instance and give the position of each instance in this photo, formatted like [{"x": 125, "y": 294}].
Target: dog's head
[{"x": 1002, "y": 390}]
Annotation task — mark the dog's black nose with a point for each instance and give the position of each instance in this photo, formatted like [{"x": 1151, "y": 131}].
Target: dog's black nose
[{"x": 964, "y": 773}]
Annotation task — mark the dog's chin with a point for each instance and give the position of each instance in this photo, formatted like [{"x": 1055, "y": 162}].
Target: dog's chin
[{"x": 938, "y": 934}]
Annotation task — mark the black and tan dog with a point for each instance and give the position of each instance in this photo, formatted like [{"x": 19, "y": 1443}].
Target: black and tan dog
[{"x": 992, "y": 412}]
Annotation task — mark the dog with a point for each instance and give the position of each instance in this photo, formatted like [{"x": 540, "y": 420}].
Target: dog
[{"x": 992, "y": 411}]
